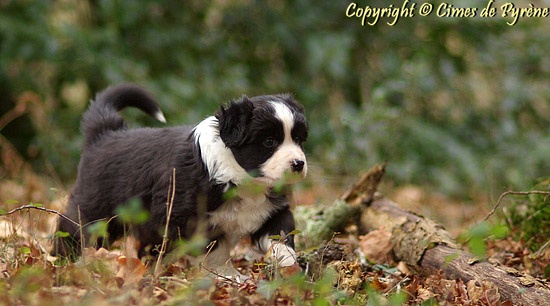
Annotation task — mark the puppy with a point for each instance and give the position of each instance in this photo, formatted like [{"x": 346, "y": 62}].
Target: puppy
[{"x": 254, "y": 140}]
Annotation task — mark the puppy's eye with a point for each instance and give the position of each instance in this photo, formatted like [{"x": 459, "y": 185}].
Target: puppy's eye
[
  {"x": 298, "y": 140},
  {"x": 270, "y": 143}
]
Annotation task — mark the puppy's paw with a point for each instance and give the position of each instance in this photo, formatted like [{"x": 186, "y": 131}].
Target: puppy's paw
[{"x": 281, "y": 254}]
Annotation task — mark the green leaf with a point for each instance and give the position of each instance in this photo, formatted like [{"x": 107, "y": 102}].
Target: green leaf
[
  {"x": 61, "y": 234},
  {"x": 295, "y": 232},
  {"x": 230, "y": 194},
  {"x": 398, "y": 299},
  {"x": 500, "y": 231},
  {"x": 98, "y": 229},
  {"x": 132, "y": 212}
]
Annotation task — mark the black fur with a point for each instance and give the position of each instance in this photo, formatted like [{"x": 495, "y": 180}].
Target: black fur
[{"x": 118, "y": 164}]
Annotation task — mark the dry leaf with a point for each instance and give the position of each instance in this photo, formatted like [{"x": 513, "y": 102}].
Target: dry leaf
[
  {"x": 424, "y": 294},
  {"x": 378, "y": 284},
  {"x": 290, "y": 270},
  {"x": 460, "y": 293},
  {"x": 403, "y": 268},
  {"x": 376, "y": 245},
  {"x": 131, "y": 269}
]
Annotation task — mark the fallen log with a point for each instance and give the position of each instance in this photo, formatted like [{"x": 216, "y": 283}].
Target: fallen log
[
  {"x": 424, "y": 245},
  {"x": 427, "y": 248}
]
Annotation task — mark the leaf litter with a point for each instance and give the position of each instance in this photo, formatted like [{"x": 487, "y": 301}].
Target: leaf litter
[{"x": 351, "y": 269}]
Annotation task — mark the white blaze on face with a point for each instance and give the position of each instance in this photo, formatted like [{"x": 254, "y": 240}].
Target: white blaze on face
[{"x": 280, "y": 163}]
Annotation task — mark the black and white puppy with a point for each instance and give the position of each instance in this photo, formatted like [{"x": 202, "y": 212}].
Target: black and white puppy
[{"x": 251, "y": 140}]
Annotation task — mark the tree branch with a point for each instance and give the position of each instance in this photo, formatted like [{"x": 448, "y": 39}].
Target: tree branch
[
  {"x": 513, "y": 193},
  {"x": 51, "y": 211}
]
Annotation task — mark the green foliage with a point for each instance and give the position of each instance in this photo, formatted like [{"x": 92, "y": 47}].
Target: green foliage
[
  {"x": 377, "y": 299},
  {"x": 477, "y": 234},
  {"x": 98, "y": 229},
  {"x": 132, "y": 212},
  {"x": 459, "y": 105},
  {"x": 298, "y": 286},
  {"x": 61, "y": 234},
  {"x": 194, "y": 246},
  {"x": 529, "y": 217}
]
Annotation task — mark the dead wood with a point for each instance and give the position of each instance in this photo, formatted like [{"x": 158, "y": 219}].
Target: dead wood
[
  {"x": 514, "y": 286},
  {"x": 364, "y": 189},
  {"x": 427, "y": 247},
  {"x": 318, "y": 224},
  {"x": 421, "y": 243}
]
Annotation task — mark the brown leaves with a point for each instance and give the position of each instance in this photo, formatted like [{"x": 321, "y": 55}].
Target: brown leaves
[
  {"x": 28, "y": 276},
  {"x": 455, "y": 292},
  {"x": 485, "y": 293}
]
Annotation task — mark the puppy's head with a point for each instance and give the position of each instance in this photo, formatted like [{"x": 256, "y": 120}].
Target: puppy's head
[{"x": 265, "y": 135}]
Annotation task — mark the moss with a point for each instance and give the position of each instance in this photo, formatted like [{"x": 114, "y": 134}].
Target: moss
[{"x": 529, "y": 217}]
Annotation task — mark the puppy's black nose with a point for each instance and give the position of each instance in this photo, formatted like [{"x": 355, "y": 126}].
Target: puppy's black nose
[{"x": 297, "y": 165}]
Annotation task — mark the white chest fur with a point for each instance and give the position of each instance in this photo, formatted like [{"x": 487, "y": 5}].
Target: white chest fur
[{"x": 242, "y": 215}]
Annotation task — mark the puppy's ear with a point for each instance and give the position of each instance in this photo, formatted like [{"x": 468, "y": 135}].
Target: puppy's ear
[{"x": 234, "y": 120}]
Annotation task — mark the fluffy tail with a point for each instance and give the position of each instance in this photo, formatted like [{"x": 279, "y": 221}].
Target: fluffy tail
[{"x": 102, "y": 115}]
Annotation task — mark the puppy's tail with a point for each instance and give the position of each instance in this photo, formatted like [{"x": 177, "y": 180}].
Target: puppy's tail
[{"x": 102, "y": 115}]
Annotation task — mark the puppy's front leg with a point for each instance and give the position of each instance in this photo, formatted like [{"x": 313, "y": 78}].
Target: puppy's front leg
[
  {"x": 218, "y": 259},
  {"x": 282, "y": 250}
]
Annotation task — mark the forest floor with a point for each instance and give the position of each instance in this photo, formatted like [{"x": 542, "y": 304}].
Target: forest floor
[{"x": 335, "y": 273}]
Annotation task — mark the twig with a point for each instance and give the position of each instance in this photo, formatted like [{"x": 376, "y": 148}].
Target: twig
[
  {"x": 51, "y": 211},
  {"x": 513, "y": 193},
  {"x": 324, "y": 250},
  {"x": 219, "y": 275},
  {"x": 169, "y": 205},
  {"x": 397, "y": 287},
  {"x": 82, "y": 238},
  {"x": 209, "y": 248},
  {"x": 542, "y": 248}
]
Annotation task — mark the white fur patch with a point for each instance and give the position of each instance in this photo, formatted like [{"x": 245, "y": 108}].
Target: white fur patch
[
  {"x": 220, "y": 162},
  {"x": 243, "y": 215},
  {"x": 283, "y": 113},
  {"x": 237, "y": 218},
  {"x": 160, "y": 116}
]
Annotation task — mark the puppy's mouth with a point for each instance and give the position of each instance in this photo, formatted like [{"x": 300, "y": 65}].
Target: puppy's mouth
[{"x": 288, "y": 177}]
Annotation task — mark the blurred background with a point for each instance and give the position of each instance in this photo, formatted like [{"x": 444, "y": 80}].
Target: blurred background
[{"x": 459, "y": 106}]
